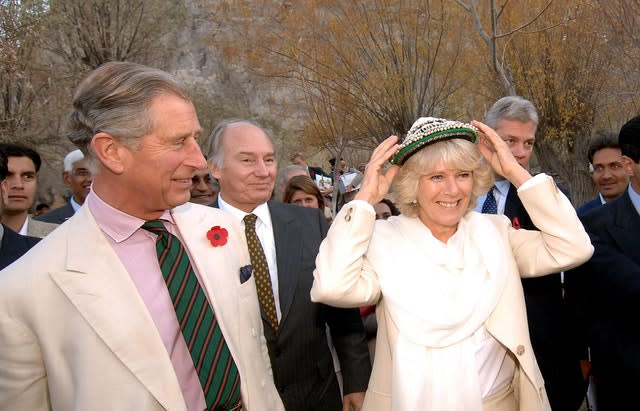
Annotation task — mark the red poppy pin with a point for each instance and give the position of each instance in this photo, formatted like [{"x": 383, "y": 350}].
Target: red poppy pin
[
  {"x": 515, "y": 223},
  {"x": 217, "y": 236}
]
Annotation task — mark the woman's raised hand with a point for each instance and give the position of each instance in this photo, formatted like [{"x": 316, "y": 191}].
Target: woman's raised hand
[
  {"x": 376, "y": 181},
  {"x": 499, "y": 156}
]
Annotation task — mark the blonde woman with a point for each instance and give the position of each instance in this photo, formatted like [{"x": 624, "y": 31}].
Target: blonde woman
[{"x": 452, "y": 328}]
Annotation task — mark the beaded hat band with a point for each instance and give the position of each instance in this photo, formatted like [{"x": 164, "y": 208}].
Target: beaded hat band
[{"x": 429, "y": 130}]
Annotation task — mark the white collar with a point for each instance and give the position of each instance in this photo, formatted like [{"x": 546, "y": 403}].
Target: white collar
[{"x": 261, "y": 211}]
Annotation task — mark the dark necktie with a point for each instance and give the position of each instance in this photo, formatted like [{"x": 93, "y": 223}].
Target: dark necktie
[
  {"x": 490, "y": 205},
  {"x": 260, "y": 271},
  {"x": 212, "y": 360}
]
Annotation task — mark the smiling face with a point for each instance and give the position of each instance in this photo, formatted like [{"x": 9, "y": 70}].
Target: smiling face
[
  {"x": 443, "y": 198},
  {"x": 79, "y": 180},
  {"x": 609, "y": 175},
  {"x": 157, "y": 174},
  {"x": 20, "y": 185},
  {"x": 248, "y": 173},
  {"x": 203, "y": 190}
]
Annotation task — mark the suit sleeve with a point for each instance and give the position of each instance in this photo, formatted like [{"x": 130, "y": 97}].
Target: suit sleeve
[
  {"x": 561, "y": 244},
  {"x": 612, "y": 275},
  {"x": 349, "y": 340},
  {"x": 23, "y": 381},
  {"x": 343, "y": 277}
]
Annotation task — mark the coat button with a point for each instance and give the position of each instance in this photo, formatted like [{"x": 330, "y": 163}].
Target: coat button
[
  {"x": 520, "y": 349},
  {"x": 347, "y": 218}
]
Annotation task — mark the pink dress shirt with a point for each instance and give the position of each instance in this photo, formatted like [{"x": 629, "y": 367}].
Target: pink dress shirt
[{"x": 136, "y": 249}]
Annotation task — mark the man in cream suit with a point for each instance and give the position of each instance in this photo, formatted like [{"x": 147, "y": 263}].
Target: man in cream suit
[{"x": 86, "y": 319}]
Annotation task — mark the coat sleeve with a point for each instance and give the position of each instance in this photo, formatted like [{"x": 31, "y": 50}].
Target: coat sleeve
[
  {"x": 23, "y": 380},
  {"x": 562, "y": 242},
  {"x": 343, "y": 277}
]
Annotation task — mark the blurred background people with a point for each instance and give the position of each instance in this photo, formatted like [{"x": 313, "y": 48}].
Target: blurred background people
[
  {"x": 606, "y": 289},
  {"x": 607, "y": 170},
  {"x": 302, "y": 191},
  {"x": 385, "y": 209},
  {"x": 12, "y": 244},
  {"x": 284, "y": 175},
  {"x": 204, "y": 188},
  {"x": 78, "y": 178},
  {"x": 41, "y": 208},
  {"x": 23, "y": 164}
]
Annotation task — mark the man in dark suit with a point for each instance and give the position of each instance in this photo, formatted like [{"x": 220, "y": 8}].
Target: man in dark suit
[
  {"x": 607, "y": 170},
  {"x": 557, "y": 352},
  {"x": 77, "y": 177},
  {"x": 12, "y": 244},
  {"x": 242, "y": 157},
  {"x": 607, "y": 287}
]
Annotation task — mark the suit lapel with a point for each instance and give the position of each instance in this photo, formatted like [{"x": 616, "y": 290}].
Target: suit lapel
[
  {"x": 101, "y": 289},
  {"x": 514, "y": 209},
  {"x": 212, "y": 264},
  {"x": 288, "y": 254}
]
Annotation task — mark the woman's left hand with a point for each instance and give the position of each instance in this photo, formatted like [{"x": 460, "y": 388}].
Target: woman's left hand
[
  {"x": 499, "y": 156},
  {"x": 376, "y": 182}
]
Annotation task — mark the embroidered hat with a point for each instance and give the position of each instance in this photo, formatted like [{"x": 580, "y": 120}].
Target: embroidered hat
[{"x": 429, "y": 130}]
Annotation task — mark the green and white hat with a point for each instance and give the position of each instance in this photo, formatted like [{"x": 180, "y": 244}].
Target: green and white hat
[{"x": 429, "y": 130}]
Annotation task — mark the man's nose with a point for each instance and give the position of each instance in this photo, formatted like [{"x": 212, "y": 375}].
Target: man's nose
[
  {"x": 194, "y": 158},
  {"x": 261, "y": 168}
]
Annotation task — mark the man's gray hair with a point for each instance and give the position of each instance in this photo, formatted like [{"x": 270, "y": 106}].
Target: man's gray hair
[
  {"x": 115, "y": 99},
  {"x": 513, "y": 108},
  {"x": 212, "y": 147}
]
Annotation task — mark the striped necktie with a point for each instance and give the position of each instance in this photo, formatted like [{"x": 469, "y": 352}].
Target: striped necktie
[
  {"x": 490, "y": 205},
  {"x": 261, "y": 271},
  {"x": 212, "y": 360}
]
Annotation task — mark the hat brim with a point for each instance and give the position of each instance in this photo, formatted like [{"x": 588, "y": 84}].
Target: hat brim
[{"x": 405, "y": 152}]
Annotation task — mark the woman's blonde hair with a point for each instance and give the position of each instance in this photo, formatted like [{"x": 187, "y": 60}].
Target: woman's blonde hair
[{"x": 455, "y": 153}]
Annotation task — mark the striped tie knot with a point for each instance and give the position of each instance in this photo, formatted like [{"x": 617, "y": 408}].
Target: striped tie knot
[{"x": 155, "y": 226}]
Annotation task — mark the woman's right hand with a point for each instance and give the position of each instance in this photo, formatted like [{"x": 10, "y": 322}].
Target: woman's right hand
[{"x": 376, "y": 181}]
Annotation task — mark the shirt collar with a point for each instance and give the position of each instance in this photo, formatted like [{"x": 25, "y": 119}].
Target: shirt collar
[
  {"x": 261, "y": 211},
  {"x": 115, "y": 223},
  {"x": 503, "y": 187},
  {"x": 74, "y": 204}
]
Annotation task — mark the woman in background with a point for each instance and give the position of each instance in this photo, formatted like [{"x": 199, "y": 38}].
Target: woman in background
[{"x": 302, "y": 191}]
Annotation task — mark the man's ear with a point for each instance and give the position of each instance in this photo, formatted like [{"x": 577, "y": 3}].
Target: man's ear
[
  {"x": 627, "y": 162},
  {"x": 110, "y": 152},
  {"x": 66, "y": 177},
  {"x": 213, "y": 168}
]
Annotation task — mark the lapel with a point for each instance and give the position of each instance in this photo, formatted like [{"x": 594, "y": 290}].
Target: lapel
[
  {"x": 513, "y": 209},
  {"x": 626, "y": 226},
  {"x": 286, "y": 235},
  {"x": 213, "y": 264},
  {"x": 100, "y": 288}
]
